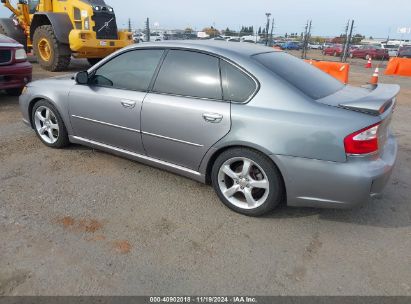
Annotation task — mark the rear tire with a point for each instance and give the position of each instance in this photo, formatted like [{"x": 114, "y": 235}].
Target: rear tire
[
  {"x": 254, "y": 189},
  {"x": 14, "y": 92},
  {"x": 52, "y": 55}
]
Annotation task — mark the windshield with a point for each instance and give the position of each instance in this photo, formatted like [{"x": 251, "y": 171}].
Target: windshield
[
  {"x": 33, "y": 6},
  {"x": 303, "y": 76}
]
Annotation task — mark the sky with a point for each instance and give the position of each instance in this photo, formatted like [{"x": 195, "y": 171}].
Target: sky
[{"x": 376, "y": 18}]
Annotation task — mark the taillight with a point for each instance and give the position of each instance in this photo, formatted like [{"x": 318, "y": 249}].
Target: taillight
[{"x": 364, "y": 141}]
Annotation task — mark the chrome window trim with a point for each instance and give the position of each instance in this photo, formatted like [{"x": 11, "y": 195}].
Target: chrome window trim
[{"x": 106, "y": 123}]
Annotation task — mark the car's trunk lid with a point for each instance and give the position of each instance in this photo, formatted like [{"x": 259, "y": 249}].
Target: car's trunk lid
[
  {"x": 372, "y": 100},
  {"x": 375, "y": 100}
]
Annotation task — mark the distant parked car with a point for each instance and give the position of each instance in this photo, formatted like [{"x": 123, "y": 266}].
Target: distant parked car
[
  {"x": 370, "y": 52},
  {"x": 334, "y": 50},
  {"x": 405, "y": 52},
  {"x": 15, "y": 70},
  {"x": 391, "y": 48},
  {"x": 291, "y": 45},
  {"x": 315, "y": 46}
]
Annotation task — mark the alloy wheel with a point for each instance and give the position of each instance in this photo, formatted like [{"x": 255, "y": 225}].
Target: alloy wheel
[
  {"x": 44, "y": 49},
  {"x": 46, "y": 125},
  {"x": 243, "y": 183}
]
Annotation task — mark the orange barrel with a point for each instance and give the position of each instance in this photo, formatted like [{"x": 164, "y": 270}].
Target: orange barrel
[
  {"x": 338, "y": 70},
  {"x": 399, "y": 66}
]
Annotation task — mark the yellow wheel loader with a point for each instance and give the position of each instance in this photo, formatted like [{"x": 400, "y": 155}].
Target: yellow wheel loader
[{"x": 59, "y": 29}]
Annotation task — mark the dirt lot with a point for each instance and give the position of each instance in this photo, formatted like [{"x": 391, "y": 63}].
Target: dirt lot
[{"x": 82, "y": 222}]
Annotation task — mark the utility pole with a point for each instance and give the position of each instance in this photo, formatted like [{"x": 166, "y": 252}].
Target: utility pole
[
  {"x": 271, "y": 34},
  {"x": 307, "y": 34},
  {"x": 347, "y": 42},
  {"x": 267, "y": 27},
  {"x": 308, "y": 39},
  {"x": 148, "y": 30},
  {"x": 129, "y": 25}
]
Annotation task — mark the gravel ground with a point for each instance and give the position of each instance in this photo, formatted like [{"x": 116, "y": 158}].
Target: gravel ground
[{"x": 82, "y": 222}]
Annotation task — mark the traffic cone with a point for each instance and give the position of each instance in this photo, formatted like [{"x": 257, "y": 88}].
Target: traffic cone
[
  {"x": 374, "y": 77},
  {"x": 369, "y": 64}
]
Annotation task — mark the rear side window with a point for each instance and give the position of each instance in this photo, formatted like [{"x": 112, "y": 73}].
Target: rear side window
[
  {"x": 130, "y": 71},
  {"x": 237, "y": 86},
  {"x": 308, "y": 79},
  {"x": 190, "y": 74}
]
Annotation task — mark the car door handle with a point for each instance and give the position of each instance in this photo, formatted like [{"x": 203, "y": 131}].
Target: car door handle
[
  {"x": 213, "y": 117},
  {"x": 128, "y": 104}
]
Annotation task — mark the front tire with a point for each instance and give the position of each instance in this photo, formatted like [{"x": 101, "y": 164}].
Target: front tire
[
  {"x": 52, "y": 55},
  {"x": 247, "y": 181},
  {"x": 49, "y": 125}
]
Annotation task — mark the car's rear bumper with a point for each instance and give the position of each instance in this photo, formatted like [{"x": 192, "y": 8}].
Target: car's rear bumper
[
  {"x": 316, "y": 183},
  {"x": 15, "y": 76}
]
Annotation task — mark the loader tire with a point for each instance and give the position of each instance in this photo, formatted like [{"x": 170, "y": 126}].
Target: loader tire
[{"x": 51, "y": 55}]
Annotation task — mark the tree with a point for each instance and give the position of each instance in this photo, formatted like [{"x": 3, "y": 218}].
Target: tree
[
  {"x": 259, "y": 30},
  {"x": 356, "y": 39},
  {"x": 211, "y": 31},
  {"x": 188, "y": 30},
  {"x": 229, "y": 32}
]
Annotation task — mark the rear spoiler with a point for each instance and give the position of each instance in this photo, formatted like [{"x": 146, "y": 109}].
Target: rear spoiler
[{"x": 381, "y": 98}]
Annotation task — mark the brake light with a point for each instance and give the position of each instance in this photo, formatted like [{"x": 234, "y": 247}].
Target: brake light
[{"x": 364, "y": 141}]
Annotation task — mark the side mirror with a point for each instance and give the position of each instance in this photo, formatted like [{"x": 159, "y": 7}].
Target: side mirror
[{"x": 82, "y": 77}]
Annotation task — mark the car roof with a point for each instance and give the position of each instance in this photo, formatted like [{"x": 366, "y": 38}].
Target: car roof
[{"x": 223, "y": 48}]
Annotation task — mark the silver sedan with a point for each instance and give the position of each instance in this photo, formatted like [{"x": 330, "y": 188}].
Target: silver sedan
[{"x": 259, "y": 125}]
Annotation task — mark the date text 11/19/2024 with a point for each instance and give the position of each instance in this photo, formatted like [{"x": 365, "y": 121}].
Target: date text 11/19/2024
[{"x": 203, "y": 299}]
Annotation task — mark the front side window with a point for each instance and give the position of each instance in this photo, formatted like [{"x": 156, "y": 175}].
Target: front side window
[
  {"x": 237, "y": 86},
  {"x": 130, "y": 71},
  {"x": 191, "y": 74}
]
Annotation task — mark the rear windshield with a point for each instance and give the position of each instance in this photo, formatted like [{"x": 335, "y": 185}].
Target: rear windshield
[{"x": 308, "y": 79}]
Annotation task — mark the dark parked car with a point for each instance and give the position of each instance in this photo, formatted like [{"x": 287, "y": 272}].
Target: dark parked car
[
  {"x": 15, "y": 71},
  {"x": 405, "y": 52},
  {"x": 334, "y": 50},
  {"x": 370, "y": 52}
]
